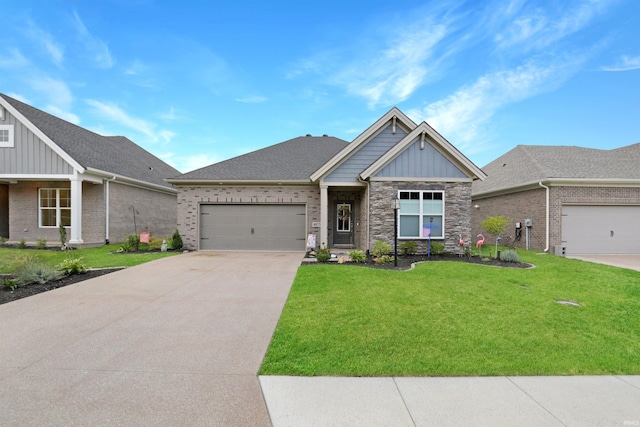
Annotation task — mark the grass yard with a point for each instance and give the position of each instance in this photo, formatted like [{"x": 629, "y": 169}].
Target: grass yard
[
  {"x": 99, "y": 257},
  {"x": 457, "y": 319}
]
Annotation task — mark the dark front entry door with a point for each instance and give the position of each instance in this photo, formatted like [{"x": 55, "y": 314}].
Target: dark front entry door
[{"x": 343, "y": 230}]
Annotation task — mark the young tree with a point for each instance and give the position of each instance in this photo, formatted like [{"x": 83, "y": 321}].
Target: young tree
[{"x": 496, "y": 225}]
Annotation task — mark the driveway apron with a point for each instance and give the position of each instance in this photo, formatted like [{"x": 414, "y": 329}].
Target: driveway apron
[{"x": 176, "y": 341}]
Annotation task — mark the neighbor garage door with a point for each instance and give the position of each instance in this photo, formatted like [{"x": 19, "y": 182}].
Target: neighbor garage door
[
  {"x": 252, "y": 227},
  {"x": 601, "y": 229}
]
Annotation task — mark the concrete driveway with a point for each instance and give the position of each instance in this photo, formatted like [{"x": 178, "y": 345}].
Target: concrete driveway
[
  {"x": 176, "y": 341},
  {"x": 632, "y": 262}
]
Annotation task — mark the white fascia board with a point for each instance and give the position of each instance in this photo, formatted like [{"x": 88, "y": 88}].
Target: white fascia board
[
  {"x": 418, "y": 179},
  {"x": 329, "y": 184},
  {"x": 131, "y": 181},
  {"x": 558, "y": 182},
  {"x": 437, "y": 141},
  {"x": 33, "y": 177},
  {"x": 37, "y": 132},
  {"x": 401, "y": 120},
  {"x": 231, "y": 182}
]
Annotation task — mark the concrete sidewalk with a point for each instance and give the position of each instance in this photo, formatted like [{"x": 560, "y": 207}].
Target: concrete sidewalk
[
  {"x": 477, "y": 401},
  {"x": 174, "y": 342}
]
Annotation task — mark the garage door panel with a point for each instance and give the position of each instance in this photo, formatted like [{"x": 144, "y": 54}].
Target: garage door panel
[
  {"x": 252, "y": 227},
  {"x": 601, "y": 229}
]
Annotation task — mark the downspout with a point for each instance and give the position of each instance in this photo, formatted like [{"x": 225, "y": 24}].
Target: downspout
[
  {"x": 106, "y": 195},
  {"x": 546, "y": 249}
]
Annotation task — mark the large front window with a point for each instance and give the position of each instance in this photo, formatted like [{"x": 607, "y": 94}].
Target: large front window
[
  {"x": 55, "y": 207},
  {"x": 421, "y": 214}
]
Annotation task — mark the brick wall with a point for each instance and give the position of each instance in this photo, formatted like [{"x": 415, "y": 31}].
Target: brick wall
[
  {"x": 155, "y": 212},
  {"x": 4, "y": 210},
  {"x": 516, "y": 207},
  {"x": 190, "y": 197},
  {"x": 24, "y": 211},
  {"x": 457, "y": 211}
]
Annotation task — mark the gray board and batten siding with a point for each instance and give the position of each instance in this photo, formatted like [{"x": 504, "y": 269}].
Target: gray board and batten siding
[
  {"x": 29, "y": 154},
  {"x": 351, "y": 168},
  {"x": 415, "y": 162}
]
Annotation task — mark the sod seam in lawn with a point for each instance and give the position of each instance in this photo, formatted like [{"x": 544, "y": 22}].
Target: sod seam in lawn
[{"x": 449, "y": 319}]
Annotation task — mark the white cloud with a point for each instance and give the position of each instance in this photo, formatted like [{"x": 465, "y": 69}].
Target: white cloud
[
  {"x": 252, "y": 99},
  {"x": 114, "y": 113},
  {"x": 625, "y": 63},
  {"x": 56, "y": 91},
  {"x": 65, "y": 115},
  {"x": 54, "y": 49},
  {"x": 98, "y": 49},
  {"x": 15, "y": 59},
  {"x": 136, "y": 68},
  {"x": 189, "y": 163},
  {"x": 460, "y": 116}
]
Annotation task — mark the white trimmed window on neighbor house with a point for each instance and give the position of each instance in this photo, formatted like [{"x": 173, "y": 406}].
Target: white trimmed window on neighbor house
[
  {"x": 6, "y": 136},
  {"x": 55, "y": 207},
  {"x": 421, "y": 214}
]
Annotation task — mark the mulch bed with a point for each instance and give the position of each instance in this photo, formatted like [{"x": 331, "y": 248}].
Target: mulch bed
[
  {"x": 8, "y": 295},
  {"x": 405, "y": 261}
]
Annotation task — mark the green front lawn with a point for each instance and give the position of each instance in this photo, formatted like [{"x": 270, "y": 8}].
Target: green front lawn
[
  {"x": 99, "y": 257},
  {"x": 450, "y": 319}
]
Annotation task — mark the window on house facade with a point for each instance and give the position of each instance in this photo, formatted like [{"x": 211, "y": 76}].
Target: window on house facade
[
  {"x": 55, "y": 207},
  {"x": 6, "y": 136},
  {"x": 421, "y": 214}
]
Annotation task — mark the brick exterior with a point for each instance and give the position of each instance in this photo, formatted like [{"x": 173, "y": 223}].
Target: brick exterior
[
  {"x": 4, "y": 210},
  {"x": 516, "y": 207},
  {"x": 156, "y": 212},
  {"x": 457, "y": 211},
  {"x": 532, "y": 204},
  {"x": 190, "y": 197}
]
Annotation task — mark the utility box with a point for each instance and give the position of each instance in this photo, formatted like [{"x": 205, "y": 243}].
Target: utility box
[
  {"x": 528, "y": 222},
  {"x": 560, "y": 250}
]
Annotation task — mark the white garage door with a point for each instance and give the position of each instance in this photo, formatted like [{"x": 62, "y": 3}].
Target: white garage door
[
  {"x": 252, "y": 227},
  {"x": 601, "y": 229}
]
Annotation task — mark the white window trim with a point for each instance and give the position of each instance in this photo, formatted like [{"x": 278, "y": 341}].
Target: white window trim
[
  {"x": 58, "y": 209},
  {"x": 10, "y": 143},
  {"x": 422, "y": 215}
]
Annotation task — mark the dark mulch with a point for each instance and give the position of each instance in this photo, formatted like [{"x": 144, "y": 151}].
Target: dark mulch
[
  {"x": 7, "y": 295},
  {"x": 405, "y": 261}
]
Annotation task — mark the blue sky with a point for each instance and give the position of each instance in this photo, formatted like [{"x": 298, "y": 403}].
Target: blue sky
[{"x": 196, "y": 82}]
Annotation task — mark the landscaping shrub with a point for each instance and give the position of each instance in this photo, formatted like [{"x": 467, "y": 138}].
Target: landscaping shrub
[
  {"x": 381, "y": 248},
  {"x": 323, "y": 255},
  {"x": 437, "y": 248},
  {"x": 383, "y": 259},
  {"x": 155, "y": 243},
  {"x": 36, "y": 270},
  {"x": 130, "y": 244},
  {"x": 9, "y": 284},
  {"x": 22, "y": 244},
  {"x": 176, "y": 241},
  {"x": 42, "y": 244},
  {"x": 357, "y": 256},
  {"x": 409, "y": 248},
  {"x": 3, "y": 240},
  {"x": 72, "y": 265},
  {"x": 509, "y": 255}
]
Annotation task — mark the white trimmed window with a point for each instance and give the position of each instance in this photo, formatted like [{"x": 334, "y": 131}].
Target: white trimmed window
[
  {"x": 55, "y": 207},
  {"x": 6, "y": 136},
  {"x": 421, "y": 213}
]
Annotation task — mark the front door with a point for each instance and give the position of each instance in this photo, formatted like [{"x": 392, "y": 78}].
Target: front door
[{"x": 343, "y": 230}]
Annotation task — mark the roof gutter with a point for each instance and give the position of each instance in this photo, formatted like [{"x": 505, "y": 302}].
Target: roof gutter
[
  {"x": 134, "y": 182},
  {"x": 546, "y": 249},
  {"x": 175, "y": 181}
]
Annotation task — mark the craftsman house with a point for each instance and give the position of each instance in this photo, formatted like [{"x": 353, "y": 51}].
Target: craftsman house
[
  {"x": 340, "y": 193},
  {"x": 99, "y": 188}
]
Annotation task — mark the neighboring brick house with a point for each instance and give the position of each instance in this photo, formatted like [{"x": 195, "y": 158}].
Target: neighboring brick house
[
  {"x": 100, "y": 188},
  {"x": 340, "y": 192},
  {"x": 579, "y": 200}
]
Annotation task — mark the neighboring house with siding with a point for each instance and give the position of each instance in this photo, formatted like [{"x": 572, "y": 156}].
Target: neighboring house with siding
[
  {"x": 340, "y": 192},
  {"x": 53, "y": 172},
  {"x": 580, "y": 200}
]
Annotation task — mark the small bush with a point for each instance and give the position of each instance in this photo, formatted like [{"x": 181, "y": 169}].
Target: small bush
[
  {"x": 381, "y": 248},
  {"x": 37, "y": 271},
  {"x": 42, "y": 244},
  {"x": 73, "y": 265},
  {"x": 509, "y": 255},
  {"x": 3, "y": 240},
  {"x": 131, "y": 244},
  {"x": 11, "y": 284},
  {"x": 323, "y": 255},
  {"x": 437, "y": 248},
  {"x": 409, "y": 248},
  {"x": 383, "y": 259},
  {"x": 357, "y": 256},
  {"x": 22, "y": 244},
  {"x": 155, "y": 243},
  {"x": 176, "y": 241}
]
